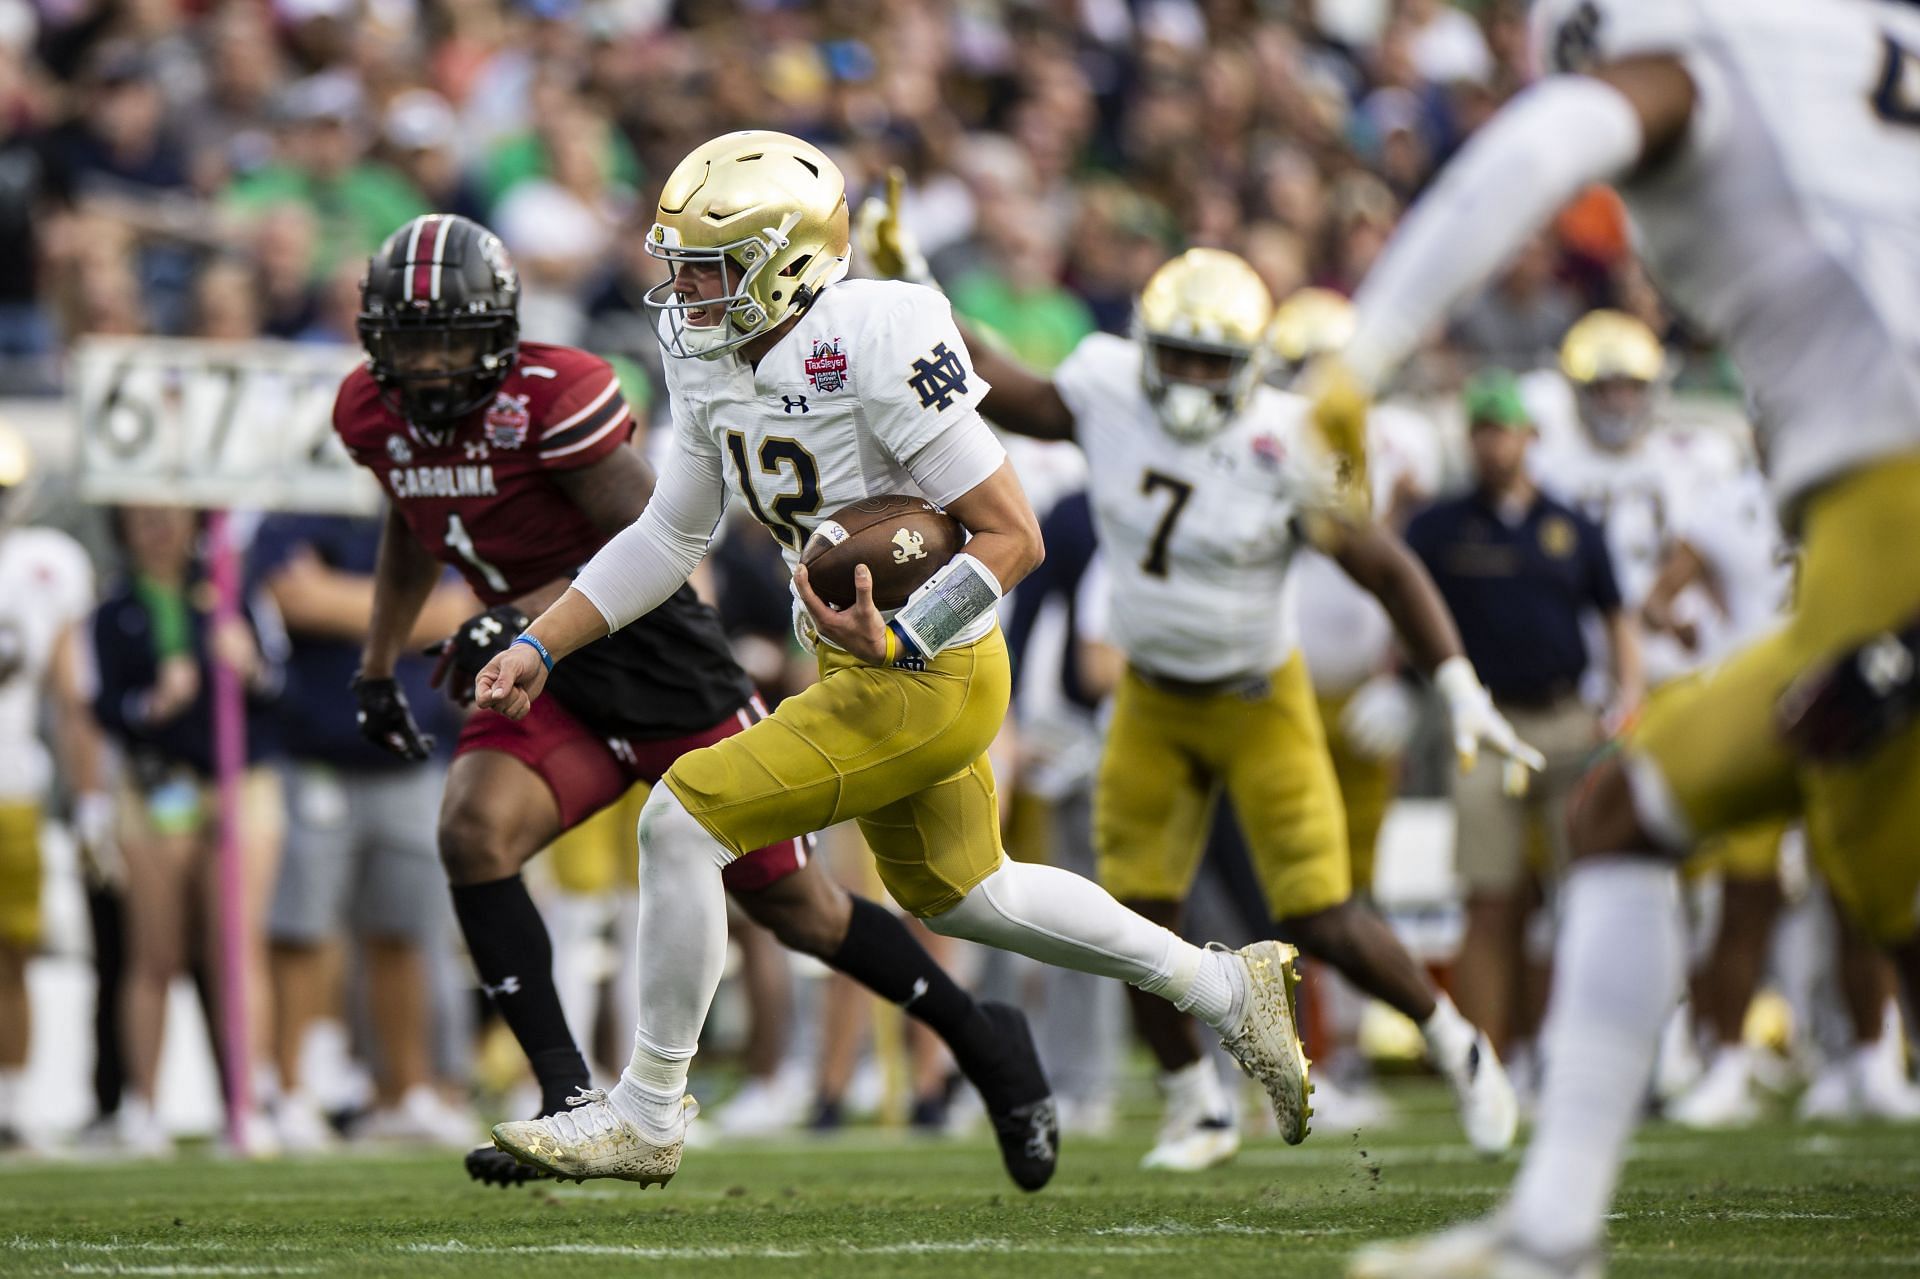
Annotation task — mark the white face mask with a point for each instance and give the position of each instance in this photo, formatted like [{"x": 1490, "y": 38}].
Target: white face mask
[{"x": 1190, "y": 413}]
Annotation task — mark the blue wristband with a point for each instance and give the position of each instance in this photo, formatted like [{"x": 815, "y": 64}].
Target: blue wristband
[{"x": 534, "y": 643}]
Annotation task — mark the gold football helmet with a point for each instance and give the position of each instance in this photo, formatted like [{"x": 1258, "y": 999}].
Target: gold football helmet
[
  {"x": 769, "y": 212},
  {"x": 1309, "y": 324},
  {"x": 1202, "y": 322},
  {"x": 1615, "y": 364}
]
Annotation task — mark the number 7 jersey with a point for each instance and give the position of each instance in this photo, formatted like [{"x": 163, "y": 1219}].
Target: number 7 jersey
[{"x": 1197, "y": 537}]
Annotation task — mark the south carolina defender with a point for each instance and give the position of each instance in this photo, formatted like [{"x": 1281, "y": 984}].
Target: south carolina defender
[
  {"x": 1769, "y": 153},
  {"x": 510, "y": 462},
  {"x": 804, "y": 392},
  {"x": 1204, "y": 484}
]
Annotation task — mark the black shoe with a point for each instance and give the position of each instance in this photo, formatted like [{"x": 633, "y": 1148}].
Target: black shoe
[
  {"x": 1019, "y": 1100},
  {"x": 827, "y": 1116},
  {"x": 495, "y": 1167}
]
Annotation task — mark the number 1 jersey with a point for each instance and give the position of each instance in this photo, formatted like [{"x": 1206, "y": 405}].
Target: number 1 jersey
[{"x": 481, "y": 496}]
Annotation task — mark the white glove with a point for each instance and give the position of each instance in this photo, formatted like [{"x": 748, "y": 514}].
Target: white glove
[
  {"x": 1475, "y": 721},
  {"x": 1380, "y": 716},
  {"x": 889, "y": 247}
]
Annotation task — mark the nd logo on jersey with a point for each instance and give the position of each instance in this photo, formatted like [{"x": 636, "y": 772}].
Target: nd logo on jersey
[{"x": 907, "y": 545}]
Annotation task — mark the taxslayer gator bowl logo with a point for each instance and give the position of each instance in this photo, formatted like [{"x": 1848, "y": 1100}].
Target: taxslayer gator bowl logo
[
  {"x": 507, "y": 421},
  {"x": 827, "y": 367}
]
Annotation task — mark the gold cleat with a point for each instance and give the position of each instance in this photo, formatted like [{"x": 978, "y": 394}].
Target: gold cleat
[
  {"x": 594, "y": 1140},
  {"x": 1267, "y": 1044}
]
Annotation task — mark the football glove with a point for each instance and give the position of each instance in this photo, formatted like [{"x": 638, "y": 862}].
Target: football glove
[
  {"x": 465, "y": 653},
  {"x": 1379, "y": 718},
  {"x": 1475, "y": 723},
  {"x": 890, "y": 248},
  {"x": 387, "y": 721}
]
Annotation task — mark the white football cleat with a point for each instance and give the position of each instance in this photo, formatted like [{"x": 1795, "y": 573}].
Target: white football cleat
[
  {"x": 1267, "y": 1041},
  {"x": 763, "y": 1107},
  {"x": 1479, "y": 1249},
  {"x": 1489, "y": 1111},
  {"x": 1881, "y": 1089},
  {"x": 595, "y": 1140},
  {"x": 302, "y": 1126},
  {"x": 1197, "y": 1131},
  {"x": 1724, "y": 1096}
]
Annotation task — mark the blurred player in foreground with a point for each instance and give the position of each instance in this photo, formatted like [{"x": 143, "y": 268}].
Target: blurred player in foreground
[{"x": 1740, "y": 133}]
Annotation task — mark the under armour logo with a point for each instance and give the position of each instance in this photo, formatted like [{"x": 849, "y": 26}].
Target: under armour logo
[
  {"x": 907, "y": 545},
  {"x": 476, "y": 450},
  {"x": 795, "y": 402},
  {"x": 1885, "y": 665},
  {"x": 509, "y": 985},
  {"x": 484, "y": 629},
  {"x": 938, "y": 377}
]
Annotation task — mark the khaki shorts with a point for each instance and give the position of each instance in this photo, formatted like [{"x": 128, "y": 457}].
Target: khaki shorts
[
  {"x": 1496, "y": 831},
  {"x": 1169, "y": 754},
  {"x": 903, "y": 751},
  {"x": 1707, "y": 757}
]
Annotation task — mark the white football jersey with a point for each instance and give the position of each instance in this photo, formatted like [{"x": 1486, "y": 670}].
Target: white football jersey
[
  {"x": 46, "y": 582},
  {"x": 1345, "y": 635},
  {"x": 1734, "y": 530},
  {"x": 1196, "y": 538},
  {"x": 872, "y": 392},
  {"x": 1788, "y": 224},
  {"x": 1641, "y": 498}
]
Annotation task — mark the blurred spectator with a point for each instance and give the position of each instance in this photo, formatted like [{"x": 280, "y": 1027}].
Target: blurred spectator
[
  {"x": 1518, "y": 570},
  {"x": 361, "y": 855},
  {"x": 1517, "y": 321},
  {"x": 560, "y": 228},
  {"x": 155, "y": 644},
  {"x": 420, "y": 133},
  {"x": 322, "y": 167},
  {"x": 1018, "y": 296}
]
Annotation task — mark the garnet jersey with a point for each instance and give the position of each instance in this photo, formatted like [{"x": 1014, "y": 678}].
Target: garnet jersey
[{"x": 481, "y": 495}]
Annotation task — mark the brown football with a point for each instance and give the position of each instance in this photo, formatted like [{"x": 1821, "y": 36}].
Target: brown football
[{"x": 902, "y": 540}]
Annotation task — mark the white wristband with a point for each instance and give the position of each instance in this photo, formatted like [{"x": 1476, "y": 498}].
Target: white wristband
[{"x": 960, "y": 594}]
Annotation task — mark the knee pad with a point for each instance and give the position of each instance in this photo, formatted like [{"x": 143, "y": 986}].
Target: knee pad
[{"x": 667, "y": 829}]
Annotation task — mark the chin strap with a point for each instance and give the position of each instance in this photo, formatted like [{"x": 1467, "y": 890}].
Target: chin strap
[{"x": 960, "y": 594}]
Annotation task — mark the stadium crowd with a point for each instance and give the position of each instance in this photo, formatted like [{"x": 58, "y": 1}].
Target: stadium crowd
[{"x": 220, "y": 170}]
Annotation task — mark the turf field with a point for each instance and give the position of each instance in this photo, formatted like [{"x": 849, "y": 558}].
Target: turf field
[{"x": 1785, "y": 1201}]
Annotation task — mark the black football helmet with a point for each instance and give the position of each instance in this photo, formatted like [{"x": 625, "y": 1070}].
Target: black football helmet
[{"x": 440, "y": 317}]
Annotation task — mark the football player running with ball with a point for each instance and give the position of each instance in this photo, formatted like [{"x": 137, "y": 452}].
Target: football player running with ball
[
  {"x": 803, "y": 392},
  {"x": 1204, "y": 484},
  {"x": 1769, "y": 154},
  {"x": 510, "y": 461}
]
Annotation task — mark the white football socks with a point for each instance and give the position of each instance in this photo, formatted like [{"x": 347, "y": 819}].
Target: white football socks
[
  {"x": 1618, "y": 972},
  {"x": 683, "y": 921},
  {"x": 1060, "y": 918}
]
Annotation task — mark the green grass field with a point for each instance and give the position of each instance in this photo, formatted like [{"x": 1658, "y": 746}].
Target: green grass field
[{"x": 1778, "y": 1201}]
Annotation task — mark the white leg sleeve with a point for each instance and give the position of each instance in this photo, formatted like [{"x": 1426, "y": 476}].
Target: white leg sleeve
[
  {"x": 683, "y": 922},
  {"x": 1057, "y": 917},
  {"x": 1617, "y": 975}
]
